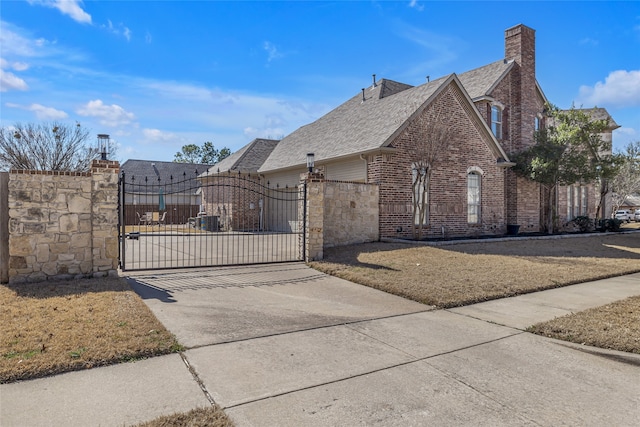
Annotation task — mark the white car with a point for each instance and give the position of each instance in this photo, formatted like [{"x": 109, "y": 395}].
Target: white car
[
  {"x": 623, "y": 215},
  {"x": 636, "y": 216}
]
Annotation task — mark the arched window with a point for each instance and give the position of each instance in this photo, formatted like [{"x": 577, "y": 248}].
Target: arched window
[
  {"x": 473, "y": 197},
  {"x": 496, "y": 121}
]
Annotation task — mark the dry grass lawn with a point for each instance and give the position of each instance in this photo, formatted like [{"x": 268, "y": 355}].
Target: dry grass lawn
[
  {"x": 461, "y": 274},
  {"x": 614, "y": 326},
  {"x": 466, "y": 273},
  {"x": 52, "y": 327},
  {"x": 200, "y": 417}
]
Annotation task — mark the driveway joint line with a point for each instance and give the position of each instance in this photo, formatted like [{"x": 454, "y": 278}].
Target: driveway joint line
[
  {"x": 491, "y": 322},
  {"x": 314, "y": 328},
  {"x": 513, "y": 410},
  {"x": 197, "y": 379},
  {"x": 362, "y": 374}
]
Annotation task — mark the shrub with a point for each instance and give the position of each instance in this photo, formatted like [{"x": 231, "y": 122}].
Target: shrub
[
  {"x": 612, "y": 224},
  {"x": 584, "y": 223}
]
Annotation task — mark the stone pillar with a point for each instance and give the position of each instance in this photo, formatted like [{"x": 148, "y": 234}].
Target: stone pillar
[
  {"x": 314, "y": 232},
  {"x": 4, "y": 227},
  {"x": 104, "y": 216}
]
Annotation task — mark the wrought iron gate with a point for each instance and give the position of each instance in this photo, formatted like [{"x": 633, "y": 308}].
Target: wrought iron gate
[{"x": 208, "y": 220}]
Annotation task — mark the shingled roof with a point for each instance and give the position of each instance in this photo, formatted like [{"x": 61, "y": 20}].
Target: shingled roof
[
  {"x": 247, "y": 159},
  {"x": 369, "y": 121},
  {"x": 365, "y": 123},
  {"x": 601, "y": 114},
  {"x": 160, "y": 172},
  {"x": 481, "y": 81}
]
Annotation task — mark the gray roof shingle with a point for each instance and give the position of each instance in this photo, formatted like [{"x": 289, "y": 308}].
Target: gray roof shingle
[
  {"x": 247, "y": 159},
  {"x": 597, "y": 113},
  {"x": 480, "y": 81},
  {"x": 165, "y": 171},
  {"x": 356, "y": 126}
]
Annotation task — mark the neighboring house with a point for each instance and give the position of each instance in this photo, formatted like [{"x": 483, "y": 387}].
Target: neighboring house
[
  {"x": 234, "y": 191},
  {"x": 631, "y": 203},
  {"x": 147, "y": 179},
  {"x": 371, "y": 138}
]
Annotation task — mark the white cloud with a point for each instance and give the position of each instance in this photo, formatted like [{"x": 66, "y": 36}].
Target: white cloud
[
  {"x": 621, "y": 88},
  {"x": 13, "y": 43},
  {"x": 42, "y": 112},
  {"x": 118, "y": 30},
  {"x": 180, "y": 91},
  {"x": 72, "y": 8},
  {"x": 414, "y": 4},
  {"x": 272, "y": 51},
  {"x": 589, "y": 41},
  {"x": 19, "y": 66},
  {"x": 626, "y": 131},
  {"x": 109, "y": 115},
  {"x": 147, "y": 37},
  {"x": 47, "y": 113},
  {"x": 156, "y": 135},
  {"x": 9, "y": 81},
  {"x": 438, "y": 48}
]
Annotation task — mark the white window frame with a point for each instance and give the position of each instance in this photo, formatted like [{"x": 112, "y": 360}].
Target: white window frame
[
  {"x": 577, "y": 201},
  {"x": 474, "y": 197},
  {"x": 418, "y": 194},
  {"x": 496, "y": 121}
]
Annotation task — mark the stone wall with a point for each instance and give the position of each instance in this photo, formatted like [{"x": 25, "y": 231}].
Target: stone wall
[
  {"x": 351, "y": 213},
  {"x": 339, "y": 213},
  {"x": 4, "y": 227},
  {"x": 63, "y": 224}
]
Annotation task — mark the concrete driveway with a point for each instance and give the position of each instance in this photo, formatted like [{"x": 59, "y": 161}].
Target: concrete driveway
[
  {"x": 213, "y": 306},
  {"x": 286, "y": 345}
]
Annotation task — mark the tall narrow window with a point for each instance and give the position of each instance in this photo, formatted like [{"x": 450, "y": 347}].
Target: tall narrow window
[
  {"x": 420, "y": 195},
  {"x": 473, "y": 198},
  {"x": 536, "y": 123},
  {"x": 496, "y": 121},
  {"x": 576, "y": 201}
]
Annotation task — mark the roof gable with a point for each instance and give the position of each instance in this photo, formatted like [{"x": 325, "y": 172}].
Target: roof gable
[
  {"x": 481, "y": 81},
  {"x": 247, "y": 159},
  {"x": 598, "y": 113}
]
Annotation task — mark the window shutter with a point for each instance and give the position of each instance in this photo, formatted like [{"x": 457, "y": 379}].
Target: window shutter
[{"x": 505, "y": 123}]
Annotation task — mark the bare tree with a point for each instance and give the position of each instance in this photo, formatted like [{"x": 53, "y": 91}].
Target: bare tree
[
  {"x": 46, "y": 146},
  {"x": 426, "y": 155}
]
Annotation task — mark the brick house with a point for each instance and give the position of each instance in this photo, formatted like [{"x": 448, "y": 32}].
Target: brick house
[
  {"x": 233, "y": 190},
  {"x": 494, "y": 111}
]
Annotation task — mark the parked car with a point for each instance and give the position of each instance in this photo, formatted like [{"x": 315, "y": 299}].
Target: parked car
[
  {"x": 636, "y": 216},
  {"x": 623, "y": 215}
]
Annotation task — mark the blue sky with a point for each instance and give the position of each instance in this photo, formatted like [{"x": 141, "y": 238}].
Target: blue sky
[{"x": 156, "y": 75}]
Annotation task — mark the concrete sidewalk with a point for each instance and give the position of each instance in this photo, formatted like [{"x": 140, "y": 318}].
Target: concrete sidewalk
[{"x": 286, "y": 345}]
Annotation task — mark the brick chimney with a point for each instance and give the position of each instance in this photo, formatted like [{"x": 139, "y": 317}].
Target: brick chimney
[{"x": 520, "y": 46}]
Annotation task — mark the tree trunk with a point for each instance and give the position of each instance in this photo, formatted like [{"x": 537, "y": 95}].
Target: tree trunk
[{"x": 550, "y": 209}]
